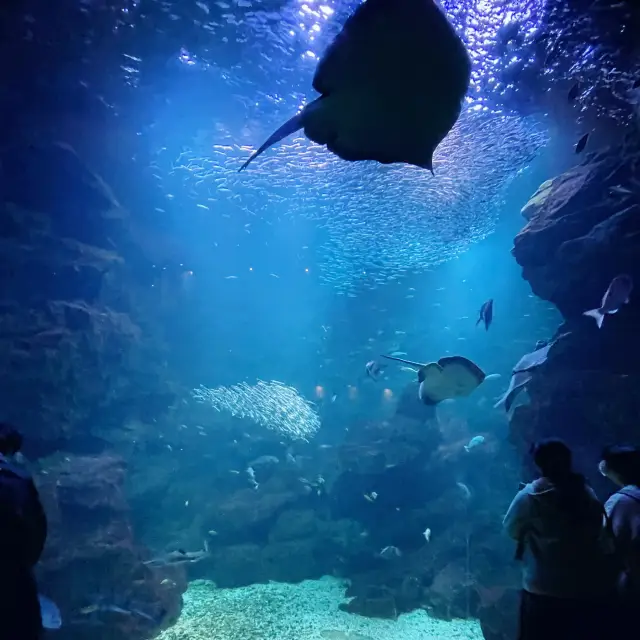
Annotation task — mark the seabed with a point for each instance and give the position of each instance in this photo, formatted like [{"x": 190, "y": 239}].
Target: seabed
[{"x": 305, "y": 611}]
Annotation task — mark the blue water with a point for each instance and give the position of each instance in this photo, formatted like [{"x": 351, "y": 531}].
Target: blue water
[{"x": 230, "y": 410}]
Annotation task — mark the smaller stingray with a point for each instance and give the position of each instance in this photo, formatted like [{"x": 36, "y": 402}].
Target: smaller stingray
[
  {"x": 522, "y": 375},
  {"x": 450, "y": 377},
  {"x": 391, "y": 86}
]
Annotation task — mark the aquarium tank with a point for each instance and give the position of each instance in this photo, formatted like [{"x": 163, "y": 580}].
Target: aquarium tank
[{"x": 290, "y": 288}]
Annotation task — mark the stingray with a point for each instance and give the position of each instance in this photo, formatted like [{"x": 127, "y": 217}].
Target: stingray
[
  {"x": 391, "y": 86},
  {"x": 522, "y": 375},
  {"x": 450, "y": 377}
]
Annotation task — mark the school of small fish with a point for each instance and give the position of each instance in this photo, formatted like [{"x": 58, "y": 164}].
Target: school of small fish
[
  {"x": 379, "y": 222},
  {"x": 272, "y": 404}
]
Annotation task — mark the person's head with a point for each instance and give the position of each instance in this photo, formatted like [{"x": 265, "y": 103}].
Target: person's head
[
  {"x": 10, "y": 440},
  {"x": 621, "y": 464},
  {"x": 553, "y": 458}
]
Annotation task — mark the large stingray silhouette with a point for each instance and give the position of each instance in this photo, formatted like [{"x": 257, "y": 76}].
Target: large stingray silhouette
[{"x": 392, "y": 84}]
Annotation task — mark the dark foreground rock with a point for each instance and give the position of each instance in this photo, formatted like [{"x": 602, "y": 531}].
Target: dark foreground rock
[
  {"x": 92, "y": 564},
  {"x": 583, "y": 229}
]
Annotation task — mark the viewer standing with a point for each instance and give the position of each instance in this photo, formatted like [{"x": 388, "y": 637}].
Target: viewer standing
[
  {"x": 23, "y": 531},
  {"x": 569, "y": 578},
  {"x": 622, "y": 466}
]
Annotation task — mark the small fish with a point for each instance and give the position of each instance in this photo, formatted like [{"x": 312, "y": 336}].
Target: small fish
[
  {"x": 582, "y": 143},
  {"x": 90, "y": 609},
  {"x": 212, "y": 532},
  {"x": 617, "y": 294},
  {"x": 371, "y": 497},
  {"x": 179, "y": 556},
  {"x": 486, "y": 314},
  {"x": 574, "y": 92},
  {"x": 264, "y": 461},
  {"x": 619, "y": 190},
  {"x": 252, "y": 477},
  {"x": 398, "y": 354},
  {"x": 476, "y": 441},
  {"x": 427, "y": 534},
  {"x": 374, "y": 369},
  {"x": 466, "y": 492},
  {"x": 493, "y": 376},
  {"x": 113, "y": 608},
  {"x": 390, "y": 553}
]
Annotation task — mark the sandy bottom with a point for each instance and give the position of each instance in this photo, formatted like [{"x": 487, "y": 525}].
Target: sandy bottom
[{"x": 305, "y": 611}]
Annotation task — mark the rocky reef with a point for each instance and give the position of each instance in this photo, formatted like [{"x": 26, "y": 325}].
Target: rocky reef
[
  {"x": 80, "y": 363},
  {"x": 582, "y": 230},
  {"x": 406, "y": 483},
  {"x": 92, "y": 564}
]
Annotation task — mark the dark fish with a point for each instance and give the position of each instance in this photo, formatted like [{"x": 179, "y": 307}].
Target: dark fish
[
  {"x": 374, "y": 369},
  {"x": 486, "y": 314},
  {"x": 574, "y": 92},
  {"x": 618, "y": 293},
  {"x": 392, "y": 84},
  {"x": 636, "y": 84},
  {"x": 582, "y": 143}
]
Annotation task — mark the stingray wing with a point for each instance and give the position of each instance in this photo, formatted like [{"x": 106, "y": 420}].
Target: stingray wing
[
  {"x": 464, "y": 366},
  {"x": 457, "y": 377},
  {"x": 393, "y": 81}
]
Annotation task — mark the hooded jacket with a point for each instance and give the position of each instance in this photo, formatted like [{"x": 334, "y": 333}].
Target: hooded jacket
[
  {"x": 623, "y": 510},
  {"x": 562, "y": 532}
]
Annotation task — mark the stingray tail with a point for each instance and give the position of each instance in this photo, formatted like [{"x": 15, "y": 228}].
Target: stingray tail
[
  {"x": 409, "y": 362},
  {"x": 290, "y": 126},
  {"x": 597, "y": 314}
]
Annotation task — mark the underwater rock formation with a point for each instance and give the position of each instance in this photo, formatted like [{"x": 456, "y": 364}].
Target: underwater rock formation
[
  {"x": 92, "y": 564},
  {"x": 82, "y": 365},
  {"x": 582, "y": 230},
  {"x": 78, "y": 354}
]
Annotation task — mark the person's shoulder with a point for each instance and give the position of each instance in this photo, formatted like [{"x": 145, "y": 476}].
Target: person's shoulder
[
  {"x": 525, "y": 494},
  {"x": 620, "y": 501}
]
